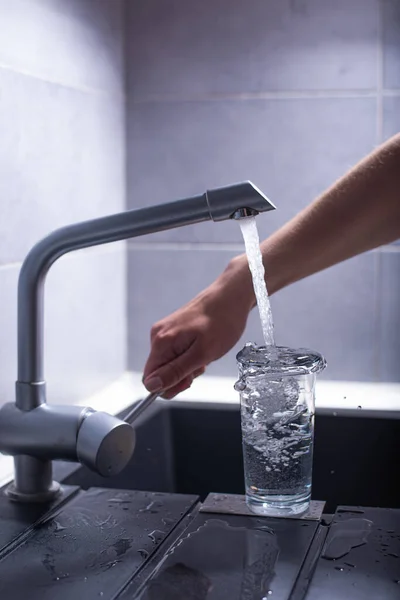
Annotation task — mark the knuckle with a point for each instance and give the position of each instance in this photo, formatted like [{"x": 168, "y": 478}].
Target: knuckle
[
  {"x": 158, "y": 334},
  {"x": 154, "y": 331}
]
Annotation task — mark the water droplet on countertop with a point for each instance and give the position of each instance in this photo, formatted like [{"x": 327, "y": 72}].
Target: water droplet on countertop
[
  {"x": 216, "y": 537},
  {"x": 156, "y": 536},
  {"x": 346, "y": 535},
  {"x": 339, "y": 569},
  {"x": 148, "y": 507},
  {"x": 57, "y": 579}
]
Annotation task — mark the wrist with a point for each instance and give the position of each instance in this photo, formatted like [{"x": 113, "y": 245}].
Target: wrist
[{"x": 237, "y": 283}]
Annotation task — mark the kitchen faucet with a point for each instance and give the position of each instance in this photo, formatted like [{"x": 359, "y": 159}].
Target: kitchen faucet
[{"x": 36, "y": 433}]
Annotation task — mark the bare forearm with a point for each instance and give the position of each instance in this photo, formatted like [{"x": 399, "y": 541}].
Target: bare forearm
[{"x": 360, "y": 212}]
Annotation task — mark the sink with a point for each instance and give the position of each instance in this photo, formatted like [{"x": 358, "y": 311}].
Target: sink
[
  {"x": 144, "y": 533},
  {"x": 195, "y": 448}
]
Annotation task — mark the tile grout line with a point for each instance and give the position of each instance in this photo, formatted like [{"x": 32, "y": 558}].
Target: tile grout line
[
  {"x": 278, "y": 95},
  {"x": 226, "y": 247},
  {"x": 379, "y": 76},
  {"x": 378, "y": 319},
  {"x": 178, "y": 246},
  {"x": 69, "y": 86},
  {"x": 9, "y": 266},
  {"x": 387, "y": 91},
  {"x": 389, "y": 249},
  {"x": 174, "y": 247},
  {"x": 95, "y": 250}
]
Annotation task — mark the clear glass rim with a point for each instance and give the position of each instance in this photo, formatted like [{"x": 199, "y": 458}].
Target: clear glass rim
[{"x": 290, "y": 361}]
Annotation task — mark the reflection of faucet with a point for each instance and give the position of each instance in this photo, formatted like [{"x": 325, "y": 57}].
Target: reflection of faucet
[{"x": 36, "y": 433}]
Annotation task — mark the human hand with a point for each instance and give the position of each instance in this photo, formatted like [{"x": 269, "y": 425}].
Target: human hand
[{"x": 185, "y": 342}]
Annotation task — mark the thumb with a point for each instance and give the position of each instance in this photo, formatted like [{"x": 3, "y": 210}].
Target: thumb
[{"x": 172, "y": 373}]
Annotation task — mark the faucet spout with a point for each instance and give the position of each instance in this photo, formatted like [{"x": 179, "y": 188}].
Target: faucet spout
[
  {"x": 97, "y": 436},
  {"x": 237, "y": 201}
]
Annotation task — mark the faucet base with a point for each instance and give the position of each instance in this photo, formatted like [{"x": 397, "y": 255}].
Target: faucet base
[{"x": 15, "y": 495}]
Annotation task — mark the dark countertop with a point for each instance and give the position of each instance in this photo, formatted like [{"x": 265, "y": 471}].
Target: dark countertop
[{"x": 126, "y": 544}]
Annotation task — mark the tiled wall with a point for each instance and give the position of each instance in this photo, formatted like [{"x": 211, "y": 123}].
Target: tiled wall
[
  {"x": 289, "y": 94},
  {"x": 62, "y": 160}
]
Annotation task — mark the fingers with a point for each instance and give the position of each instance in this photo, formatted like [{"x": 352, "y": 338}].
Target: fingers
[
  {"x": 175, "y": 371},
  {"x": 199, "y": 372},
  {"x": 177, "y": 389},
  {"x": 165, "y": 347},
  {"x": 183, "y": 385}
]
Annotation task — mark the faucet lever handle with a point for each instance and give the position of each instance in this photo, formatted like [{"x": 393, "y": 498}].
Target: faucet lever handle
[{"x": 104, "y": 443}]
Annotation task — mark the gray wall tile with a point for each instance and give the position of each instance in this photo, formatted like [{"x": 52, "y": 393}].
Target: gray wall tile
[
  {"x": 190, "y": 48},
  {"x": 160, "y": 282},
  {"x": 78, "y": 42},
  {"x": 85, "y": 325},
  {"x": 391, "y": 43},
  {"x": 391, "y": 121},
  {"x": 210, "y": 104},
  {"x": 391, "y": 116},
  {"x": 390, "y": 315},
  {"x": 8, "y": 332},
  {"x": 291, "y": 149},
  {"x": 332, "y": 312},
  {"x": 61, "y": 159}
]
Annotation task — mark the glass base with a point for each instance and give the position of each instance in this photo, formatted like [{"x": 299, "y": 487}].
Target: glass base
[{"x": 272, "y": 505}]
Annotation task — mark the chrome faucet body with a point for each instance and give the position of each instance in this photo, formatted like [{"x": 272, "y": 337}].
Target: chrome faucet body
[{"x": 36, "y": 433}]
